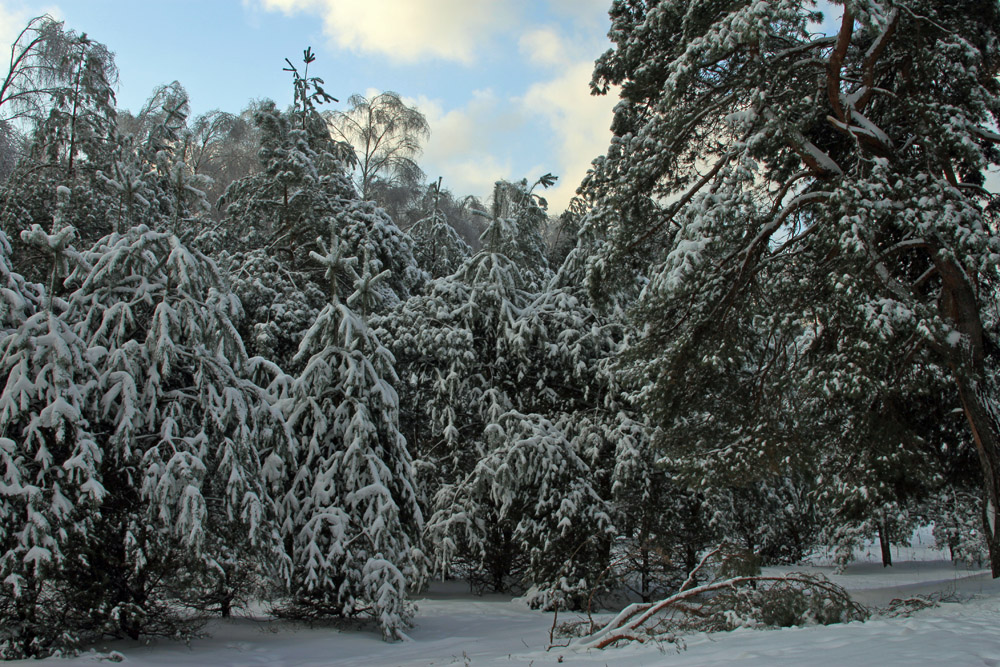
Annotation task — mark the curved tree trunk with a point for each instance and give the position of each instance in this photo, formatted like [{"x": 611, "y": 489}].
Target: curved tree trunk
[
  {"x": 976, "y": 390},
  {"x": 980, "y": 412}
]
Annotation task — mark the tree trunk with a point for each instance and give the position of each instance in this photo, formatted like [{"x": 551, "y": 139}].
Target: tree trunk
[
  {"x": 959, "y": 304},
  {"x": 982, "y": 420},
  {"x": 644, "y": 585},
  {"x": 884, "y": 543}
]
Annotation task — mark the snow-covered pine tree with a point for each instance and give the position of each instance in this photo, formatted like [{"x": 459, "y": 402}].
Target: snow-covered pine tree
[
  {"x": 350, "y": 512},
  {"x": 812, "y": 214},
  {"x": 438, "y": 249},
  {"x": 18, "y": 297},
  {"x": 958, "y": 526},
  {"x": 191, "y": 445},
  {"x": 776, "y": 521},
  {"x": 278, "y": 215},
  {"x": 274, "y": 217},
  {"x": 507, "y": 415},
  {"x": 369, "y": 233},
  {"x": 452, "y": 346},
  {"x": 161, "y": 138},
  {"x": 528, "y": 514},
  {"x": 515, "y": 221},
  {"x": 51, "y": 486}
]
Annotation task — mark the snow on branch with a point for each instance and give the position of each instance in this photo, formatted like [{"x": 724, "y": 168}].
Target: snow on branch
[{"x": 728, "y": 602}]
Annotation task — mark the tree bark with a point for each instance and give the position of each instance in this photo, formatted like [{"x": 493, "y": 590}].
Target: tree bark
[
  {"x": 884, "y": 543},
  {"x": 986, "y": 434},
  {"x": 975, "y": 389}
]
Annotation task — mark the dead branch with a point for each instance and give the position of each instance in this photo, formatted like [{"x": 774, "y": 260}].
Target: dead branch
[{"x": 704, "y": 608}]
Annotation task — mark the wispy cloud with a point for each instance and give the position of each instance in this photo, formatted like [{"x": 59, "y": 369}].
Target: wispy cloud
[{"x": 406, "y": 30}]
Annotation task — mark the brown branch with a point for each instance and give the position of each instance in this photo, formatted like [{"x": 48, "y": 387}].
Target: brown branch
[
  {"x": 874, "y": 53},
  {"x": 821, "y": 164},
  {"x": 629, "y": 623},
  {"x": 949, "y": 173},
  {"x": 837, "y": 62},
  {"x": 680, "y": 203},
  {"x": 756, "y": 246}
]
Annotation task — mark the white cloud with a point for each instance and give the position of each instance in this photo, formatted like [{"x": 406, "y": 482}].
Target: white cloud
[
  {"x": 407, "y": 30},
  {"x": 579, "y": 122},
  {"x": 544, "y": 47},
  {"x": 469, "y": 145},
  {"x": 459, "y": 149}
]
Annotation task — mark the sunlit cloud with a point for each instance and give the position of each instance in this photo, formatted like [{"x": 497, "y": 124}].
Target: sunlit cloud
[
  {"x": 405, "y": 30},
  {"x": 474, "y": 142},
  {"x": 466, "y": 144},
  {"x": 459, "y": 149},
  {"x": 579, "y": 122},
  {"x": 544, "y": 47}
]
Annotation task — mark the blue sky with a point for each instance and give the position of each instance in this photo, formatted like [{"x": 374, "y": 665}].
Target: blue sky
[{"x": 503, "y": 83}]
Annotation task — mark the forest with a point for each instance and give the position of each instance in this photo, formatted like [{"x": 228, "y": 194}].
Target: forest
[{"x": 262, "y": 356}]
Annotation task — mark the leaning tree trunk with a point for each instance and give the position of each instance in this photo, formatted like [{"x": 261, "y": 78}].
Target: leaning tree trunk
[
  {"x": 980, "y": 411},
  {"x": 976, "y": 390}
]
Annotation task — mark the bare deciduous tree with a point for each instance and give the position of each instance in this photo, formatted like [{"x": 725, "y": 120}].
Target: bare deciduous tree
[{"x": 385, "y": 135}]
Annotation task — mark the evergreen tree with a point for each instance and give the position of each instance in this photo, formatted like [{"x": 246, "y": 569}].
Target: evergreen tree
[
  {"x": 18, "y": 297},
  {"x": 279, "y": 215},
  {"x": 350, "y": 512},
  {"x": 193, "y": 446},
  {"x": 438, "y": 249},
  {"x": 811, "y": 215},
  {"x": 508, "y": 416},
  {"x": 51, "y": 486}
]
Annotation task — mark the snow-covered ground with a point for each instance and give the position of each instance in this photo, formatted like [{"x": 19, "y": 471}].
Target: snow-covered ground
[{"x": 454, "y": 628}]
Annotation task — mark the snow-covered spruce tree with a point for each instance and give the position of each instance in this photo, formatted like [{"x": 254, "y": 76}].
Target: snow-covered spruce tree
[
  {"x": 169, "y": 186},
  {"x": 813, "y": 213},
  {"x": 18, "y": 297},
  {"x": 958, "y": 526},
  {"x": 452, "y": 348},
  {"x": 277, "y": 216},
  {"x": 663, "y": 525},
  {"x": 516, "y": 219},
  {"x": 528, "y": 514},
  {"x": 350, "y": 512},
  {"x": 438, "y": 249},
  {"x": 50, "y": 456},
  {"x": 775, "y": 521},
  {"x": 504, "y": 392},
  {"x": 191, "y": 446}
]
